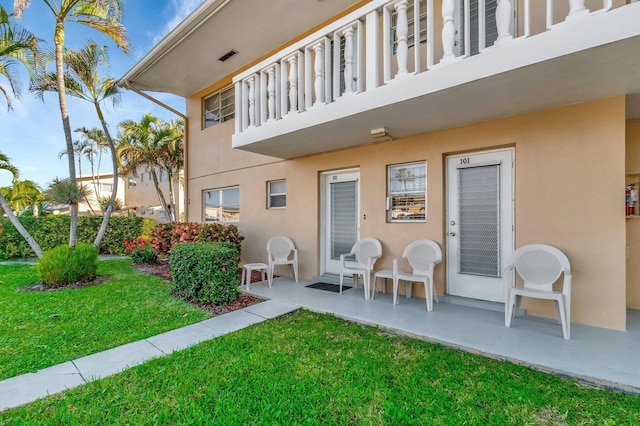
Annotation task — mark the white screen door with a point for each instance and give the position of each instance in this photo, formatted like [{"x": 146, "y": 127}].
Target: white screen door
[
  {"x": 340, "y": 224},
  {"x": 479, "y": 223}
]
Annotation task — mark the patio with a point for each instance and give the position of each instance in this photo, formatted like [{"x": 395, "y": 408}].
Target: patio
[{"x": 598, "y": 356}]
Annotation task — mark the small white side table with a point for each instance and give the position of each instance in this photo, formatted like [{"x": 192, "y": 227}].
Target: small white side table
[{"x": 250, "y": 267}]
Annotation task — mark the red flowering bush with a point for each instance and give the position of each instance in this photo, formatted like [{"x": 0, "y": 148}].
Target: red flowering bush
[
  {"x": 140, "y": 251},
  {"x": 165, "y": 236}
]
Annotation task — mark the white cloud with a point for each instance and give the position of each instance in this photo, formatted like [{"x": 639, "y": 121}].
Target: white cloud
[{"x": 178, "y": 10}]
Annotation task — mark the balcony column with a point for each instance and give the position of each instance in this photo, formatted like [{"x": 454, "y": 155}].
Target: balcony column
[
  {"x": 293, "y": 84},
  {"x": 318, "y": 67},
  {"x": 448, "y": 29},
  {"x": 402, "y": 32},
  {"x": 576, "y": 8},
  {"x": 348, "y": 59},
  {"x": 252, "y": 101},
  {"x": 504, "y": 16},
  {"x": 271, "y": 93}
]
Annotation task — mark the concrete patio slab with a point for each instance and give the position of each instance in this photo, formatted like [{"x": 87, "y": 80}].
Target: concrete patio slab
[
  {"x": 182, "y": 338},
  {"x": 108, "y": 363}
]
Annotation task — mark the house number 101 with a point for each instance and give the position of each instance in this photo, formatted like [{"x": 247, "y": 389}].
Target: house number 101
[{"x": 465, "y": 160}]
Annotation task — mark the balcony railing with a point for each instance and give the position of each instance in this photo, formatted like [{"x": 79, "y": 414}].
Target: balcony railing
[{"x": 384, "y": 41}]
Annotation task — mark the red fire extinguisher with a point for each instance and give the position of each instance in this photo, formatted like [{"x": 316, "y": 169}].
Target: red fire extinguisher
[{"x": 631, "y": 196}]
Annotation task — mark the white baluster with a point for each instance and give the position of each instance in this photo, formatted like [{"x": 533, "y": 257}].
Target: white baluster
[
  {"x": 271, "y": 93},
  {"x": 448, "y": 29},
  {"x": 348, "y": 59},
  {"x": 319, "y": 73},
  {"x": 577, "y": 8},
  {"x": 293, "y": 84},
  {"x": 503, "y": 21},
  {"x": 402, "y": 31},
  {"x": 252, "y": 101}
]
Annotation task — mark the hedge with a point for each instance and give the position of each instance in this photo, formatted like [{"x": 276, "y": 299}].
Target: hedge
[
  {"x": 206, "y": 272},
  {"x": 53, "y": 231}
]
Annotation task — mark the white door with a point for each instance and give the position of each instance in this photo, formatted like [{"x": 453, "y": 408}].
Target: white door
[
  {"x": 479, "y": 223},
  {"x": 340, "y": 217}
]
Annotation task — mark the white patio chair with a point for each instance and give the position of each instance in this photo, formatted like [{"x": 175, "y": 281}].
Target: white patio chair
[
  {"x": 366, "y": 252},
  {"x": 422, "y": 256},
  {"x": 540, "y": 266},
  {"x": 279, "y": 250}
]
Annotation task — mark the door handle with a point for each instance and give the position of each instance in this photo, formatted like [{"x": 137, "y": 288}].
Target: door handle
[{"x": 452, "y": 234}]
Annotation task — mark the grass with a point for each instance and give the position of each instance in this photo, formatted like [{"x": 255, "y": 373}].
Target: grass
[
  {"x": 41, "y": 329},
  {"x": 309, "y": 368}
]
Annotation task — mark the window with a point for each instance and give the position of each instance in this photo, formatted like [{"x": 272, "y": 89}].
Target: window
[
  {"x": 277, "y": 194},
  {"x": 106, "y": 187},
  {"x": 141, "y": 177},
  {"x": 142, "y": 211},
  {"x": 219, "y": 107},
  {"x": 407, "y": 192},
  {"x": 222, "y": 205},
  {"x": 164, "y": 175}
]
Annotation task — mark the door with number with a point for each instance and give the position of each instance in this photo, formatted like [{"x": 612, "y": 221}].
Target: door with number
[
  {"x": 480, "y": 233},
  {"x": 340, "y": 219}
]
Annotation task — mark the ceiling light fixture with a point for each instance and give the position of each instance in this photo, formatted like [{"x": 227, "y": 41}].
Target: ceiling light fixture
[{"x": 379, "y": 133}]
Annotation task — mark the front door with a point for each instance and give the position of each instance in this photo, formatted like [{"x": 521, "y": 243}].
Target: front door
[
  {"x": 479, "y": 223},
  {"x": 340, "y": 216}
]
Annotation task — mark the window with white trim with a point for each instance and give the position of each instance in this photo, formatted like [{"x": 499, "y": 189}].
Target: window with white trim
[
  {"x": 221, "y": 205},
  {"x": 277, "y": 194},
  {"x": 164, "y": 175},
  {"x": 407, "y": 186},
  {"x": 219, "y": 107}
]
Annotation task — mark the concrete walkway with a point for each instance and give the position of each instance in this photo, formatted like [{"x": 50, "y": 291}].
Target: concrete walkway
[{"x": 28, "y": 387}]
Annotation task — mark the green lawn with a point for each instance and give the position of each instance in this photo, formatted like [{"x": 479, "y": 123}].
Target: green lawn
[
  {"x": 41, "y": 329},
  {"x": 309, "y": 368}
]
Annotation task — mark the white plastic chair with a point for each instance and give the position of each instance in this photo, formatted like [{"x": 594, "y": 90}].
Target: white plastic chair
[
  {"x": 366, "y": 252},
  {"x": 540, "y": 266},
  {"x": 279, "y": 251},
  {"x": 422, "y": 256}
]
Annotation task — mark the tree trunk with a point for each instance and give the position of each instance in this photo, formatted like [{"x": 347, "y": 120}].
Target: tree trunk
[
  {"x": 154, "y": 176},
  {"x": 15, "y": 222},
  {"x": 64, "y": 112},
  {"x": 114, "y": 190}
]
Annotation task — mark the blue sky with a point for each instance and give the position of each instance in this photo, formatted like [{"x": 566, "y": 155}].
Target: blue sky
[{"x": 31, "y": 134}]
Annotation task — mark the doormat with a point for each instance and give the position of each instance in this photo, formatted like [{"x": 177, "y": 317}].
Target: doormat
[{"x": 329, "y": 287}]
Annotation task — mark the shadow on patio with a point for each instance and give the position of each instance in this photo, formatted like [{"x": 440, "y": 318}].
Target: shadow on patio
[{"x": 598, "y": 356}]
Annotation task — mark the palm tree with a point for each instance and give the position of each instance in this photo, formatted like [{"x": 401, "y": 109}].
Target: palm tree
[
  {"x": 171, "y": 159},
  {"x": 17, "y": 46},
  {"x": 23, "y": 194},
  {"x": 142, "y": 145},
  {"x": 102, "y": 15},
  {"x": 5, "y": 164},
  {"x": 80, "y": 148}
]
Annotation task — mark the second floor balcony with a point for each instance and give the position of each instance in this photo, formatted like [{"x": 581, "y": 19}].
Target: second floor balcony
[{"x": 404, "y": 67}]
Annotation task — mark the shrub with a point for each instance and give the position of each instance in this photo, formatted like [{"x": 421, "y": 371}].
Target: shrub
[
  {"x": 165, "y": 236},
  {"x": 53, "y": 231},
  {"x": 147, "y": 226},
  {"x": 63, "y": 266},
  {"x": 205, "y": 271},
  {"x": 140, "y": 251}
]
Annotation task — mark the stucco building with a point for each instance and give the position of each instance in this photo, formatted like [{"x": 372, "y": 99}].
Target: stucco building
[{"x": 483, "y": 125}]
